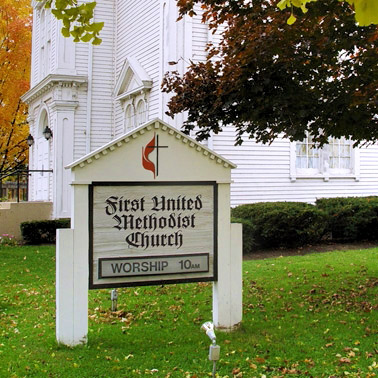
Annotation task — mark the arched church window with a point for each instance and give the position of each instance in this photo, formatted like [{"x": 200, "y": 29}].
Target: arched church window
[
  {"x": 141, "y": 113},
  {"x": 129, "y": 118}
]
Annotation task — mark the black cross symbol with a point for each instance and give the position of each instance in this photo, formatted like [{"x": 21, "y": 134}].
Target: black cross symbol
[{"x": 157, "y": 153}]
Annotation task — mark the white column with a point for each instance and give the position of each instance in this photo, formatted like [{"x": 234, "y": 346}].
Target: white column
[
  {"x": 64, "y": 286},
  {"x": 72, "y": 275},
  {"x": 64, "y": 154},
  {"x": 227, "y": 291},
  {"x": 236, "y": 273}
]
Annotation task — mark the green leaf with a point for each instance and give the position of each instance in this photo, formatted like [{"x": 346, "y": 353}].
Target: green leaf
[
  {"x": 97, "y": 26},
  {"x": 366, "y": 11},
  {"x": 291, "y": 20},
  {"x": 65, "y": 32},
  {"x": 96, "y": 41},
  {"x": 283, "y": 4},
  {"x": 86, "y": 37}
]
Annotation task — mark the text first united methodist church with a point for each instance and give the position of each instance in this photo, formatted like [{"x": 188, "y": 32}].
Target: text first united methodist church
[{"x": 90, "y": 95}]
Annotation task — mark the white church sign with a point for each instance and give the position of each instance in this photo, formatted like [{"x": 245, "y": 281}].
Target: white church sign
[
  {"x": 151, "y": 207},
  {"x": 152, "y": 233}
]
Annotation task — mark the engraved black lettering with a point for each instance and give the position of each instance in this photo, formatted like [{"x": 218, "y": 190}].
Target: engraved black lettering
[
  {"x": 119, "y": 221},
  {"x": 198, "y": 202},
  {"x": 127, "y": 267},
  {"x": 111, "y": 207},
  {"x": 136, "y": 267},
  {"x": 116, "y": 268}
]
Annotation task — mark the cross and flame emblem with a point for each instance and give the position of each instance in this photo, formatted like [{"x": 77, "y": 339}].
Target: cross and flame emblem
[{"x": 152, "y": 145}]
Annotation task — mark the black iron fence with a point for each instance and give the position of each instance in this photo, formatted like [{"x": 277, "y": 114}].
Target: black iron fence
[{"x": 16, "y": 187}]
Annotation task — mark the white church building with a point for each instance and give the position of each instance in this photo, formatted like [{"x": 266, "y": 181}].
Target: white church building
[{"x": 90, "y": 95}]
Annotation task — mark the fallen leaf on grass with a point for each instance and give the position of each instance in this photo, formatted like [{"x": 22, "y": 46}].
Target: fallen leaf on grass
[
  {"x": 344, "y": 360},
  {"x": 235, "y": 371},
  {"x": 260, "y": 360}
]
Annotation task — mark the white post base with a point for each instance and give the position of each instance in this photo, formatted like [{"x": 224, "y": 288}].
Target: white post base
[
  {"x": 71, "y": 293},
  {"x": 227, "y": 291}
]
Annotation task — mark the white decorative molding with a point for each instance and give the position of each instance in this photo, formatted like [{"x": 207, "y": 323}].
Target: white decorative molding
[
  {"x": 133, "y": 80},
  {"x": 64, "y": 105},
  {"x": 158, "y": 124},
  {"x": 57, "y": 81}
]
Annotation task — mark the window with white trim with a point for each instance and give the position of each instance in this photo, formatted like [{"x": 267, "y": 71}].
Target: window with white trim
[
  {"x": 140, "y": 113},
  {"x": 336, "y": 159},
  {"x": 129, "y": 123},
  {"x": 135, "y": 111},
  {"x": 340, "y": 155},
  {"x": 307, "y": 156}
]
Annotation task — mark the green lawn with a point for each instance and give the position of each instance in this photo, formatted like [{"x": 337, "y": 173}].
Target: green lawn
[{"x": 314, "y": 315}]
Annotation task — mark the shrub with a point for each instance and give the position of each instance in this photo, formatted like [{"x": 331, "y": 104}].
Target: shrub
[
  {"x": 248, "y": 240},
  {"x": 351, "y": 218},
  {"x": 39, "y": 232},
  {"x": 283, "y": 224},
  {"x": 7, "y": 239}
]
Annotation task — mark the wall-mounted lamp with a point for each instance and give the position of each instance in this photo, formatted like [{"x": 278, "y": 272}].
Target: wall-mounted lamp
[
  {"x": 47, "y": 133},
  {"x": 30, "y": 140}
]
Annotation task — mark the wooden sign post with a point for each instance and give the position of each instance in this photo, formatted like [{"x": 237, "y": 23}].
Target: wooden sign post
[{"x": 151, "y": 207}]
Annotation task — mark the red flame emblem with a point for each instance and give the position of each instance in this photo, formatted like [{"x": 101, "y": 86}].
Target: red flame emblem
[
  {"x": 146, "y": 162},
  {"x": 152, "y": 145}
]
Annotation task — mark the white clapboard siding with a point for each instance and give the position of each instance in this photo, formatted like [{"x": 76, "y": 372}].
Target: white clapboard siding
[
  {"x": 138, "y": 36},
  {"x": 55, "y": 30},
  {"x": 200, "y": 34},
  {"x": 80, "y": 126},
  {"x": 263, "y": 173},
  {"x": 81, "y": 57},
  {"x": 35, "y": 49},
  {"x": 103, "y": 78}
]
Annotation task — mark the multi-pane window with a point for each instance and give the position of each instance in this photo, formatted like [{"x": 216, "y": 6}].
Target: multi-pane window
[
  {"x": 340, "y": 153},
  {"x": 141, "y": 113},
  {"x": 129, "y": 124},
  {"x": 334, "y": 158},
  {"x": 135, "y": 113},
  {"x": 307, "y": 154}
]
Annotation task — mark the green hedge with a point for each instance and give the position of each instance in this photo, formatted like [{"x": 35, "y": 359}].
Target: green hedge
[
  {"x": 282, "y": 224},
  {"x": 351, "y": 218},
  {"x": 40, "y": 232}
]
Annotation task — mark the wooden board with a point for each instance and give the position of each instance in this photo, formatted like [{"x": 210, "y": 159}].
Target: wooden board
[{"x": 152, "y": 233}]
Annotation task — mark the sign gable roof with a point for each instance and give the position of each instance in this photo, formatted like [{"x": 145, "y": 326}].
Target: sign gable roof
[{"x": 155, "y": 124}]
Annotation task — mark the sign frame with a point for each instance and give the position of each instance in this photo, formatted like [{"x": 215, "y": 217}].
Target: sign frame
[{"x": 158, "y": 281}]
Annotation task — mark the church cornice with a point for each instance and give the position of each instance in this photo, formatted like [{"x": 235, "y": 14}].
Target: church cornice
[{"x": 51, "y": 81}]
